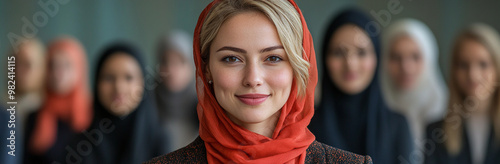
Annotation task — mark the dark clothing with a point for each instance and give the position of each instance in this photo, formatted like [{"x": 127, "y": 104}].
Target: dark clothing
[
  {"x": 57, "y": 153},
  {"x": 361, "y": 123},
  {"x": 177, "y": 113},
  {"x": 440, "y": 154},
  {"x": 316, "y": 153}
]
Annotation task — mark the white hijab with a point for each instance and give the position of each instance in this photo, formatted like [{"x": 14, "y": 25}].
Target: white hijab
[{"x": 426, "y": 102}]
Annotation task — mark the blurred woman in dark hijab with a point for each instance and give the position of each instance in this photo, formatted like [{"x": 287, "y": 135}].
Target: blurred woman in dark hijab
[
  {"x": 352, "y": 114},
  {"x": 175, "y": 95},
  {"x": 121, "y": 99}
]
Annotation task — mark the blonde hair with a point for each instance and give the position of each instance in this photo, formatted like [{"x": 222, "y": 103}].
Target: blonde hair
[
  {"x": 284, "y": 16},
  {"x": 454, "y": 120}
]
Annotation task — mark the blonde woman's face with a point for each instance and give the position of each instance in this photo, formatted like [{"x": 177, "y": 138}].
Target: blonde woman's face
[
  {"x": 405, "y": 62},
  {"x": 120, "y": 84},
  {"x": 475, "y": 73},
  {"x": 351, "y": 59},
  {"x": 30, "y": 67},
  {"x": 251, "y": 74}
]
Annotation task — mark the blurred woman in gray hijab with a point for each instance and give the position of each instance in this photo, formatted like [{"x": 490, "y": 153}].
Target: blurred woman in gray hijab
[{"x": 176, "y": 92}]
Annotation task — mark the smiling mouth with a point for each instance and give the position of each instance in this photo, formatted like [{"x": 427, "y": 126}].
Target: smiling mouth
[{"x": 253, "y": 99}]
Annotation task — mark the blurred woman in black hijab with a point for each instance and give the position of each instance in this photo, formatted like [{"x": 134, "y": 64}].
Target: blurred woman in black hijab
[
  {"x": 121, "y": 100},
  {"x": 352, "y": 114}
]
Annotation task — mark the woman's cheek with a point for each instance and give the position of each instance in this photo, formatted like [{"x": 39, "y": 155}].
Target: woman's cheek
[
  {"x": 336, "y": 68},
  {"x": 369, "y": 67},
  {"x": 280, "y": 78},
  {"x": 105, "y": 94},
  {"x": 226, "y": 78}
]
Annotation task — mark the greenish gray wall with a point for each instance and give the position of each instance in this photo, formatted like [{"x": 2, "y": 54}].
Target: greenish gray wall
[{"x": 96, "y": 23}]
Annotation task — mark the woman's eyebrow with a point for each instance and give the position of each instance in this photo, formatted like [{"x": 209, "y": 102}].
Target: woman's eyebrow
[
  {"x": 271, "y": 48},
  {"x": 229, "y": 48}
]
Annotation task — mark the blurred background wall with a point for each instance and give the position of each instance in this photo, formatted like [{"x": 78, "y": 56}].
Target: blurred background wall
[{"x": 96, "y": 23}]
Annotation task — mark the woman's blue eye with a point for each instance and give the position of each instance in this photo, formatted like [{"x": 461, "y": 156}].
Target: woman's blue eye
[
  {"x": 230, "y": 59},
  {"x": 274, "y": 59}
]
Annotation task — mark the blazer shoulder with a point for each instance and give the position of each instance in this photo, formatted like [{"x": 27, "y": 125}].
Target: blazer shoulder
[
  {"x": 321, "y": 153},
  {"x": 195, "y": 152}
]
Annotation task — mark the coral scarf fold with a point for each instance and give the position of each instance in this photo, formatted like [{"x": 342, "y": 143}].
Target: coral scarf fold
[{"x": 227, "y": 142}]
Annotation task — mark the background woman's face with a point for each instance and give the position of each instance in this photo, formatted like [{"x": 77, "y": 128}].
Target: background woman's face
[
  {"x": 251, "y": 75},
  {"x": 177, "y": 71},
  {"x": 475, "y": 73},
  {"x": 120, "y": 84},
  {"x": 62, "y": 74},
  {"x": 351, "y": 59},
  {"x": 30, "y": 67},
  {"x": 405, "y": 62}
]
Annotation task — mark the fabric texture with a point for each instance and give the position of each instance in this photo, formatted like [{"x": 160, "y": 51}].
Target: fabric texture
[{"x": 316, "y": 153}]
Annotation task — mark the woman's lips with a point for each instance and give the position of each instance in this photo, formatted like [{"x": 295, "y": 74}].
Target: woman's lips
[
  {"x": 252, "y": 99},
  {"x": 350, "y": 76}
]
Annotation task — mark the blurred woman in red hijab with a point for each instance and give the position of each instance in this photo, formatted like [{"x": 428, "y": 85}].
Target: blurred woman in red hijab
[
  {"x": 66, "y": 110},
  {"x": 256, "y": 74}
]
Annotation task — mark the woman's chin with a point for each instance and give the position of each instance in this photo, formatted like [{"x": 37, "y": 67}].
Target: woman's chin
[{"x": 250, "y": 116}]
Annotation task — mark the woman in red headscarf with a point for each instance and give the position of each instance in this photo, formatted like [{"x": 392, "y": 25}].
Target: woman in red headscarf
[
  {"x": 67, "y": 109},
  {"x": 256, "y": 74}
]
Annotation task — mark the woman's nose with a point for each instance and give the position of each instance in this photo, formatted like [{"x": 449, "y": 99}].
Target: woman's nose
[{"x": 253, "y": 75}]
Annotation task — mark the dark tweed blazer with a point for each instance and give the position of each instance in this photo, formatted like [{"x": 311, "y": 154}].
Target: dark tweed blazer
[{"x": 316, "y": 153}]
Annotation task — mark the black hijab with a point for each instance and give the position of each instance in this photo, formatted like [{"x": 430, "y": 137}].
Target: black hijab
[
  {"x": 361, "y": 123},
  {"x": 136, "y": 137}
]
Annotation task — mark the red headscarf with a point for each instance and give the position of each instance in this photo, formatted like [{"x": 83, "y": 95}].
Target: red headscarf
[
  {"x": 73, "y": 108},
  {"x": 227, "y": 142}
]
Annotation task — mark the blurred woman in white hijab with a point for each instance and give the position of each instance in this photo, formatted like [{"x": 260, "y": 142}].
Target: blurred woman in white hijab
[{"x": 411, "y": 79}]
